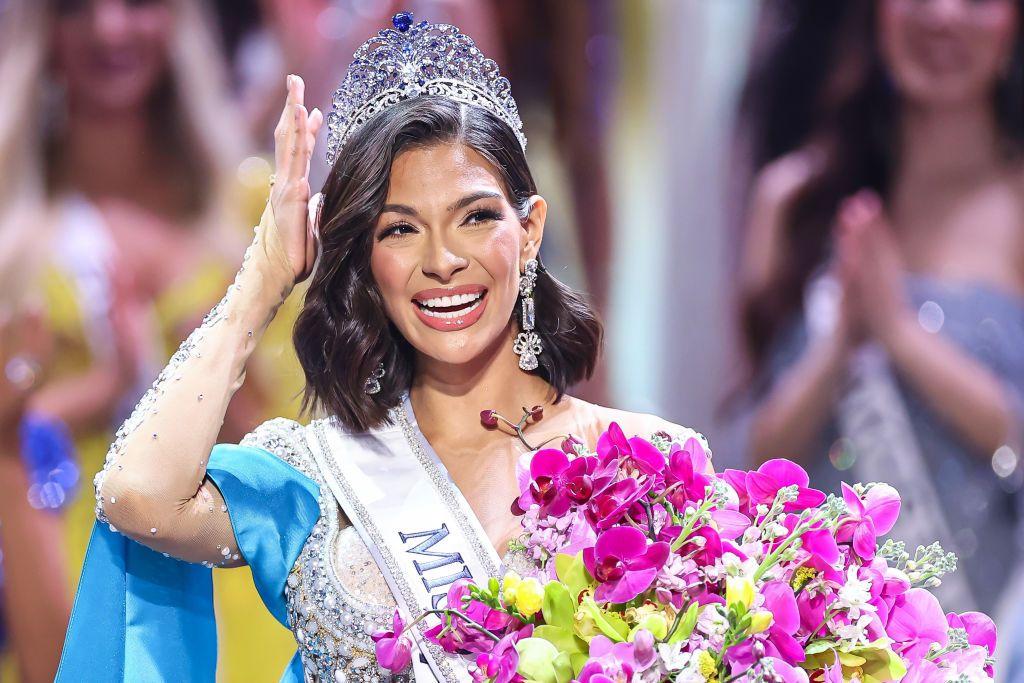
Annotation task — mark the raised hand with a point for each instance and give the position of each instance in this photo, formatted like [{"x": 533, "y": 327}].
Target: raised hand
[
  {"x": 871, "y": 264},
  {"x": 294, "y": 139}
]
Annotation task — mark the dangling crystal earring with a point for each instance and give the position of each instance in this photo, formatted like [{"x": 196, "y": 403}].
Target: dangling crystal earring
[
  {"x": 528, "y": 345},
  {"x": 372, "y": 385}
]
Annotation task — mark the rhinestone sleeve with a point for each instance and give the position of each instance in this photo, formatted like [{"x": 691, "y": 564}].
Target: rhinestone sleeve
[{"x": 154, "y": 475}]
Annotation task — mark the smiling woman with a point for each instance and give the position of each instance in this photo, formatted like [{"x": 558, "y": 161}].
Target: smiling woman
[
  {"x": 426, "y": 315},
  {"x": 435, "y": 200}
]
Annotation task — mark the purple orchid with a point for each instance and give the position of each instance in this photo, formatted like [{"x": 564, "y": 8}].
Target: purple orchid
[
  {"x": 394, "y": 651},
  {"x": 555, "y": 482},
  {"x": 623, "y": 563},
  {"x": 981, "y": 631},
  {"x": 915, "y": 622},
  {"x": 608, "y": 507},
  {"x": 781, "y": 641},
  {"x": 764, "y": 483},
  {"x": 456, "y": 635},
  {"x": 687, "y": 475},
  {"x": 609, "y": 662},
  {"x": 499, "y": 665},
  {"x": 868, "y": 518},
  {"x": 634, "y": 454}
]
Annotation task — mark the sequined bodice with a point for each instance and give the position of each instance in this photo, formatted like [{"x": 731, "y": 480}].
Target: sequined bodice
[{"x": 337, "y": 596}]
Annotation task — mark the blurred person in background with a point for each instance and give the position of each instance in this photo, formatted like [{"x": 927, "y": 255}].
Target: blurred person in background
[
  {"x": 122, "y": 217},
  {"x": 269, "y": 39},
  {"x": 35, "y": 603},
  {"x": 882, "y": 273}
]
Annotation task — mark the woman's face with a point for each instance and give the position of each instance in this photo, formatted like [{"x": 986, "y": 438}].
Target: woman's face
[
  {"x": 447, "y": 252},
  {"x": 111, "y": 54},
  {"x": 947, "y": 52}
]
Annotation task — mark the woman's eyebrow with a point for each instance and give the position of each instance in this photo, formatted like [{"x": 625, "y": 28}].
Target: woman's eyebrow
[
  {"x": 462, "y": 203},
  {"x": 472, "y": 197}
]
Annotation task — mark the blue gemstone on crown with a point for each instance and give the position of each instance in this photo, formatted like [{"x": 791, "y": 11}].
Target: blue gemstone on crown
[
  {"x": 411, "y": 60},
  {"x": 402, "y": 21}
]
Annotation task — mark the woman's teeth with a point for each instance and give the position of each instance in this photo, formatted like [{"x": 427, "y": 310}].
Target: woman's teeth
[{"x": 463, "y": 303}]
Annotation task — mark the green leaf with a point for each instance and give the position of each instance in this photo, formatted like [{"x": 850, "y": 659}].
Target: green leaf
[
  {"x": 609, "y": 623},
  {"x": 536, "y": 660},
  {"x": 819, "y": 646},
  {"x": 686, "y": 625},
  {"x": 564, "y": 640},
  {"x": 563, "y": 668},
  {"x": 573, "y": 573},
  {"x": 559, "y": 606}
]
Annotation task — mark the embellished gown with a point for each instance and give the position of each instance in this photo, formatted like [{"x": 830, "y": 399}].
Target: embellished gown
[{"x": 143, "y": 615}]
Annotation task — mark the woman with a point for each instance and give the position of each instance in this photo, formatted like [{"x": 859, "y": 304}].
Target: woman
[
  {"x": 883, "y": 276},
  {"x": 123, "y": 219},
  {"x": 423, "y": 261}
]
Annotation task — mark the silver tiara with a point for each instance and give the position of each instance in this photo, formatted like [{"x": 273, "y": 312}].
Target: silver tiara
[{"x": 414, "y": 59}]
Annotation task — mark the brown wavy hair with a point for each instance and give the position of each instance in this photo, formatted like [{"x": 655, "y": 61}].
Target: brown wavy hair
[{"x": 342, "y": 333}]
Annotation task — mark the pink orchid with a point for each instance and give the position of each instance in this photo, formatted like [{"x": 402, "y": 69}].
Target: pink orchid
[
  {"x": 915, "y": 622},
  {"x": 781, "y": 641},
  {"x": 817, "y": 543},
  {"x": 608, "y": 507},
  {"x": 555, "y": 482},
  {"x": 981, "y": 631},
  {"x": 609, "y": 662},
  {"x": 394, "y": 651},
  {"x": 869, "y": 518},
  {"x": 704, "y": 544},
  {"x": 633, "y": 453},
  {"x": 456, "y": 635},
  {"x": 499, "y": 665},
  {"x": 623, "y": 563},
  {"x": 764, "y": 483},
  {"x": 737, "y": 480},
  {"x": 687, "y": 473}
]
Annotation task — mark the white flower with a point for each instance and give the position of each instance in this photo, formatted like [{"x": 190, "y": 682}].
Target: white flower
[
  {"x": 686, "y": 663},
  {"x": 854, "y": 596},
  {"x": 854, "y": 633}
]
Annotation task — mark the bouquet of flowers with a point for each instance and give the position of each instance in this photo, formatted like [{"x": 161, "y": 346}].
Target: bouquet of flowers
[{"x": 649, "y": 566}]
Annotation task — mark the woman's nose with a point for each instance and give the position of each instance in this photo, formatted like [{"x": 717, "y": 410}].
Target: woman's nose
[{"x": 441, "y": 261}]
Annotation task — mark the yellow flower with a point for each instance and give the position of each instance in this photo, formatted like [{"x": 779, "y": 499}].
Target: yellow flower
[
  {"x": 509, "y": 584},
  {"x": 801, "y": 577},
  {"x": 707, "y": 667},
  {"x": 529, "y": 596},
  {"x": 739, "y": 589},
  {"x": 759, "y": 621}
]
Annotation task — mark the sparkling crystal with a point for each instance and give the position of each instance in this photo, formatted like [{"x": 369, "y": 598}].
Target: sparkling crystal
[
  {"x": 528, "y": 314},
  {"x": 339, "y": 676},
  {"x": 417, "y": 59}
]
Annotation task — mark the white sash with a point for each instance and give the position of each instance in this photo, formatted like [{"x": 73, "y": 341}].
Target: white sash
[{"x": 412, "y": 518}]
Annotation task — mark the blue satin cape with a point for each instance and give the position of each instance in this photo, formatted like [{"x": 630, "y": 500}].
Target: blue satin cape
[{"x": 141, "y": 616}]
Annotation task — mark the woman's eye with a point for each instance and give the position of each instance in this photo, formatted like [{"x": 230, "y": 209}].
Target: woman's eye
[
  {"x": 396, "y": 230},
  {"x": 483, "y": 216}
]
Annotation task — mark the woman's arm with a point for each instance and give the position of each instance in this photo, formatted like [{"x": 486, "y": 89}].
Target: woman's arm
[
  {"x": 153, "y": 487},
  {"x": 964, "y": 393},
  {"x": 787, "y": 419},
  {"x": 797, "y": 407}
]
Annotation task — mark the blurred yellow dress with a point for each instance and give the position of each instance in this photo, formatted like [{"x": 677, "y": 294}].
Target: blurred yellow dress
[{"x": 73, "y": 289}]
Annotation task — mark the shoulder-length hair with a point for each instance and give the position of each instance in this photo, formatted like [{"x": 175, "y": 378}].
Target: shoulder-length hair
[{"x": 342, "y": 333}]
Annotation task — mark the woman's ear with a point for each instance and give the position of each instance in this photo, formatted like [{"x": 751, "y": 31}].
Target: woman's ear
[{"x": 534, "y": 227}]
